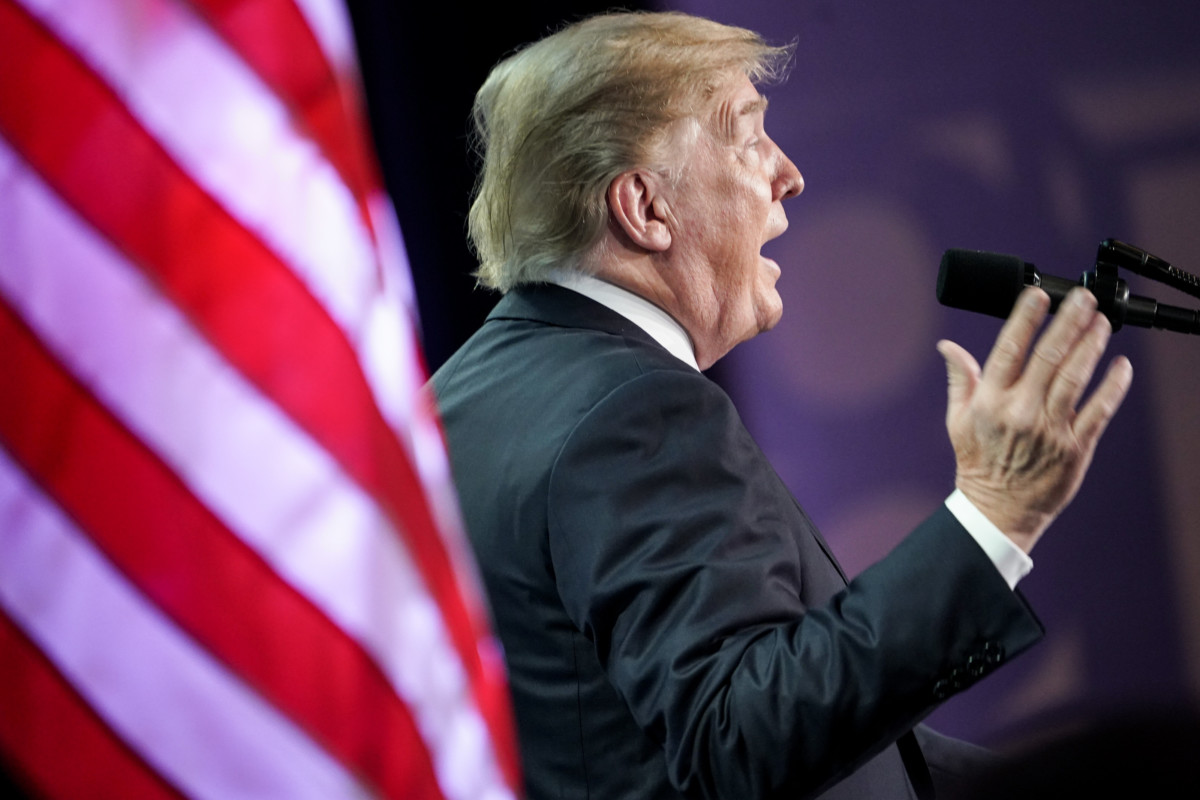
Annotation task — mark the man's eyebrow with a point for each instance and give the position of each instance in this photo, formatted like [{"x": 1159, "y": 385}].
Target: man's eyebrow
[{"x": 753, "y": 107}]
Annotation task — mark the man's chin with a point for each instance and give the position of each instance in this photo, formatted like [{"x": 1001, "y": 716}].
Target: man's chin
[{"x": 770, "y": 312}]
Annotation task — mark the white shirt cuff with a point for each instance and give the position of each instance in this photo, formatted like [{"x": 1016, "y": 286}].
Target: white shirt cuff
[{"x": 1013, "y": 562}]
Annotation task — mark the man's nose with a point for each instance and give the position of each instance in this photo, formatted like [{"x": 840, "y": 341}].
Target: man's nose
[{"x": 788, "y": 180}]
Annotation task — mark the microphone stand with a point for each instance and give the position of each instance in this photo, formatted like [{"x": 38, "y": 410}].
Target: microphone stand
[{"x": 1115, "y": 301}]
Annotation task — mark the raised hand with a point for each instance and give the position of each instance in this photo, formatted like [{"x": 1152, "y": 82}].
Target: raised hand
[{"x": 1021, "y": 445}]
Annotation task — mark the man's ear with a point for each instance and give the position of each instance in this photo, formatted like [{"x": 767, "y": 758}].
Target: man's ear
[{"x": 639, "y": 209}]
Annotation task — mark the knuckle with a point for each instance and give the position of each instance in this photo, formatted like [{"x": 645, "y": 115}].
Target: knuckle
[
  {"x": 1022, "y": 412},
  {"x": 1008, "y": 347},
  {"x": 1070, "y": 382},
  {"x": 1049, "y": 352}
]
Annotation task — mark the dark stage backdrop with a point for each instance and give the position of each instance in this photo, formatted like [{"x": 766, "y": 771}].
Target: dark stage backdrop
[{"x": 1031, "y": 127}]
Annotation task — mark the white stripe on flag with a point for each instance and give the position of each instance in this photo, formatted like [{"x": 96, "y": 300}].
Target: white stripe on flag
[{"x": 331, "y": 26}]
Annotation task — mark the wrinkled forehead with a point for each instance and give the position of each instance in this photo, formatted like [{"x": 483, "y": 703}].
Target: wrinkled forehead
[
  {"x": 727, "y": 108},
  {"x": 732, "y": 106}
]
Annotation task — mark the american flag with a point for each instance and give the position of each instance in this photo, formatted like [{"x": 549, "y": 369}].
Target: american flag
[{"x": 230, "y": 558}]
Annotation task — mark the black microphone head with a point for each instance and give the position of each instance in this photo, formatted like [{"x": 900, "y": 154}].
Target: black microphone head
[{"x": 973, "y": 280}]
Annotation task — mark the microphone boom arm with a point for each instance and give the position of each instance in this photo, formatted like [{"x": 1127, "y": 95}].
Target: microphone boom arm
[{"x": 1138, "y": 261}]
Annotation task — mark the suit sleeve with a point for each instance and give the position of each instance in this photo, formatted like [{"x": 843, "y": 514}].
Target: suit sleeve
[{"x": 674, "y": 551}]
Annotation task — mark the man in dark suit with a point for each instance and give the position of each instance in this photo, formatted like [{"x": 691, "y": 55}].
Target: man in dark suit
[{"x": 673, "y": 623}]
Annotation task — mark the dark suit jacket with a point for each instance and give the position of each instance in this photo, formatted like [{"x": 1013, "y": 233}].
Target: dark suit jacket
[{"x": 672, "y": 621}]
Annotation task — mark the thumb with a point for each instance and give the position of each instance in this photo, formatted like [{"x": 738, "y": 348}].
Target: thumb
[{"x": 962, "y": 374}]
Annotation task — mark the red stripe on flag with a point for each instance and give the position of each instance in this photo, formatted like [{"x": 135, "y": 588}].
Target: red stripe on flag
[
  {"x": 83, "y": 141},
  {"x": 59, "y": 746},
  {"x": 200, "y": 574},
  {"x": 273, "y": 37}
]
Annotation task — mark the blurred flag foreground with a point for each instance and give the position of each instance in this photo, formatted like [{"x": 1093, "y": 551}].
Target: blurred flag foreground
[{"x": 230, "y": 561}]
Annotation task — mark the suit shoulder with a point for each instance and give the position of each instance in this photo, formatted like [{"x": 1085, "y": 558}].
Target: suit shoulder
[{"x": 551, "y": 357}]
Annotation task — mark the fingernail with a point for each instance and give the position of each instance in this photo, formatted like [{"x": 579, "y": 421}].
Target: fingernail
[{"x": 1083, "y": 298}]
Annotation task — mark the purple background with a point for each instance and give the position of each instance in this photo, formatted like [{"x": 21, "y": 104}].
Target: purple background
[{"x": 1032, "y": 128}]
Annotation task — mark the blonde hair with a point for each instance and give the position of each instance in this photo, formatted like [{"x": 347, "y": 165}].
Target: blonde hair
[{"x": 558, "y": 120}]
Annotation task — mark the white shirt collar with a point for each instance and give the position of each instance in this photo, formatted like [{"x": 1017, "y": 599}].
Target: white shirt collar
[{"x": 660, "y": 325}]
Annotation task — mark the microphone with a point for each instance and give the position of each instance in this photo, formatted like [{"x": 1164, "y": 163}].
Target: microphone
[{"x": 989, "y": 283}]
